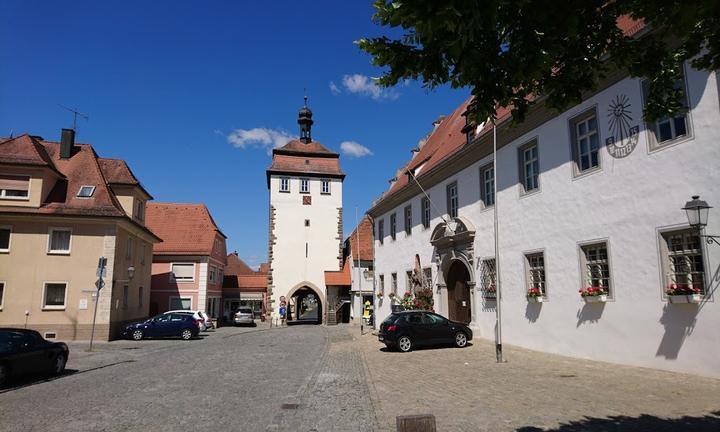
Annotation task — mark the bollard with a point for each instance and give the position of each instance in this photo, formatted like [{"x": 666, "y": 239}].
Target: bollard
[{"x": 415, "y": 423}]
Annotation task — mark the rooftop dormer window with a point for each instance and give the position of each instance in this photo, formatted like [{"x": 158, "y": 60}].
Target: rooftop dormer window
[
  {"x": 14, "y": 186},
  {"x": 86, "y": 191}
]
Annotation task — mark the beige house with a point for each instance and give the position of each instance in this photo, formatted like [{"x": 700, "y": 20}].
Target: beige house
[{"x": 62, "y": 208}]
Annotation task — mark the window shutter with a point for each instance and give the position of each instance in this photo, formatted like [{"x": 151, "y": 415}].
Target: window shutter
[
  {"x": 21, "y": 183},
  {"x": 183, "y": 271}
]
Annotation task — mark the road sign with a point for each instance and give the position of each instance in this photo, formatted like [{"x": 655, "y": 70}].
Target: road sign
[
  {"x": 101, "y": 268},
  {"x": 99, "y": 284}
]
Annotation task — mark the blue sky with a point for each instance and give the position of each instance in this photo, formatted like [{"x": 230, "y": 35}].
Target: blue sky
[{"x": 194, "y": 94}]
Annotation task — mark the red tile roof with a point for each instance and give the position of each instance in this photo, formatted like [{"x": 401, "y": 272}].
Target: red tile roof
[
  {"x": 339, "y": 278},
  {"x": 236, "y": 266},
  {"x": 240, "y": 275},
  {"x": 297, "y": 157},
  {"x": 81, "y": 169},
  {"x": 117, "y": 171},
  {"x": 186, "y": 229},
  {"x": 366, "y": 240},
  {"x": 448, "y": 138}
]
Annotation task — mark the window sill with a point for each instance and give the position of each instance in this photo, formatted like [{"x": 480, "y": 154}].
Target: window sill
[
  {"x": 324, "y": 193},
  {"x": 305, "y": 193},
  {"x": 487, "y": 207},
  {"x": 577, "y": 175},
  {"x": 58, "y": 253},
  {"x": 11, "y": 198},
  {"x": 525, "y": 194},
  {"x": 4, "y": 251},
  {"x": 53, "y": 308},
  {"x": 182, "y": 281},
  {"x": 654, "y": 146},
  {"x": 284, "y": 191}
]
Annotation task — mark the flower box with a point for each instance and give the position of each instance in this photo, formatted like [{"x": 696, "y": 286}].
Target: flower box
[
  {"x": 689, "y": 298},
  {"x": 535, "y": 299},
  {"x": 595, "y": 299}
]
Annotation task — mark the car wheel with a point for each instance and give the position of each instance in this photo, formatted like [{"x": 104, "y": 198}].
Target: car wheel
[
  {"x": 186, "y": 334},
  {"x": 3, "y": 375},
  {"x": 460, "y": 340},
  {"x": 404, "y": 344},
  {"x": 137, "y": 334},
  {"x": 59, "y": 365}
]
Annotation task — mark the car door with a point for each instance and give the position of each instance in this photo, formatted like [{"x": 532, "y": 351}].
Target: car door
[
  {"x": 159, "y": 325},
  {"x": 438, "y": 328},
  {"x": 419, "y": 331},
  {"x": 30, "y": 354},
  {"x": 176, "y": 324}
]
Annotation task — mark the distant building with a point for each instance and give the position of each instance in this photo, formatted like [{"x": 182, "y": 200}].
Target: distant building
[
  {"x": 244, "y": 286},
  {"x": 306, "y": 226},
  {"x": 588, "y": 198},
  {"x": 359, "y": 249},
  {"x": 62, "y": 207},
  {"x": 189, "y": 265}
]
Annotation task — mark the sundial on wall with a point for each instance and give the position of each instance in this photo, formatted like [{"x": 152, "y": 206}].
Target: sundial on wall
[{"x": 623, "y": 134}]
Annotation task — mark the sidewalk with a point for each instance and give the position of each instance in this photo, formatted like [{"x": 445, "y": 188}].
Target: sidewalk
[{"x": 467, "y": 390}]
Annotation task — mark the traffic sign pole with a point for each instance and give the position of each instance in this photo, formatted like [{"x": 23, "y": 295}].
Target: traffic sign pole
[{"x": 99, "y": 284}]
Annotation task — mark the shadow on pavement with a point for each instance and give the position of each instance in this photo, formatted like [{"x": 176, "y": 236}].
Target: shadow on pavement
[
  {"x": 16, "y": 383},
  {"x": 424, "y": 348},
  {"x": 642, "y": 423}
]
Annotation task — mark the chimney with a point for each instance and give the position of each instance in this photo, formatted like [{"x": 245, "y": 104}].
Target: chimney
[{"x": 67, "y": 142}]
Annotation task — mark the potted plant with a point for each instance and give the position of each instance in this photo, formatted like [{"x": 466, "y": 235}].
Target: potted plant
[
  {"x": 392, "y": 296},
  {"x": 683, "y": 293},
  {"x": 490, "y": 291},
  {"x": 594, "y": 294},
  {"x": 535, "y": 295}
]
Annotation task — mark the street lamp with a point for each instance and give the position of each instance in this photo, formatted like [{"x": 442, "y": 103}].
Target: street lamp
[
  {"x": 697, "y": 212},
  {"x": 131, "y": 272}
]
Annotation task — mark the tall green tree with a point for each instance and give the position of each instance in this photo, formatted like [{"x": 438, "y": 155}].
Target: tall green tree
[{"x": 508, "y": 52}]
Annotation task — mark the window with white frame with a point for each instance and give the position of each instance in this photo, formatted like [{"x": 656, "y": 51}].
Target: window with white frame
[
  {"x": 183, "y": 272},
  {"x": 452, "y": 199},
  {"x": 408, "y": 219},
  {"x": 54, "y": 294},
  {"x": 325, "y": 186},
  {"x": 535, "y": 273},
  {"x": 596, "y": 267},
  {"x": 683, "y": 261},
  {"x": 126, "y": 296},
  {"x": 14, "y": 186},
  {"x": 141, "y": 296},
  {"x": 5, "y": 233},
  {"x": 408, "y": 281},
  {"x": 586, "y": 141},
  {"x": 129, "y": 248},
  {"x": 670, "y": 129},
  {"x": 427, "y": 278},
  {"x": 2, "y": 294},
  {"x": 304, "y": 186},
  {"x": 381, "y": 230},
  {"x": 86, "y": 191},
  {"x": 180, "y": 303},
  {"x": 59, "y": 240},
  {"x": 425, "y": 206},
  {"x": 487, "y": 185},
  {"x": 529, "y": 167},
  {"x": 284, "y": 184},
  {"x": 393, "y": 283},
  {"x": 488, "y": 276},
  {"x": 393, "y": 226}
]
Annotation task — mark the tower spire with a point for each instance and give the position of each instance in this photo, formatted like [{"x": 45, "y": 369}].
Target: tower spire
[{"x": 305, "y": 121}]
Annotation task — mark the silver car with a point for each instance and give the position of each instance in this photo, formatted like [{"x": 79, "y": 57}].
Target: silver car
[{"x": 244, "y": 315}]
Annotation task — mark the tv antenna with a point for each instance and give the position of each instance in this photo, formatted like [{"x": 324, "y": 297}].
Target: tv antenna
[{"x": 76, "y": 113}]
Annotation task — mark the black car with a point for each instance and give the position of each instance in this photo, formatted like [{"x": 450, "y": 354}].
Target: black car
[
  {"x": 407, "y": 329},
  {"x": 165, "y": 325},
  {"x": 25, "y": 352}
]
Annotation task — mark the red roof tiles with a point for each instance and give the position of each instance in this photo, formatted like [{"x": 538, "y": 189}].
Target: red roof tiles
[
  {"x": 240, "y": 275},
  {"x": 186, "y": 229},
  {"x": 297, "y": 157},
  {"x": 339, "y": 278}
]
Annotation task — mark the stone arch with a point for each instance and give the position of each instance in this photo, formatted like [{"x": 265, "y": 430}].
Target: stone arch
[{"x": 299, "y": 291}]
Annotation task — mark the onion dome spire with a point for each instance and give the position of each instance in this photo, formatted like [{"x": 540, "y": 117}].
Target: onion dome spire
[{"x": 305, "y": 121}]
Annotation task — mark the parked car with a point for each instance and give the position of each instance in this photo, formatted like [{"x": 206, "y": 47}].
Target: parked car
[
  {"x": 165, "y": 325},
  {"x": 25, "y": 352},
  {"x": 408, "y": 329},
  {"x": 198, "y": 315},
  {"x": 244, "y": 315},
  {"x": 208, "y": 321}
]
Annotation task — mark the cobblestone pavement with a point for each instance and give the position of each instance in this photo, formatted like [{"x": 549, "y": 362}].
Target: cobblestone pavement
[
  {"x": 232, "y": 379},
  {"x": 467, "y": 390}
]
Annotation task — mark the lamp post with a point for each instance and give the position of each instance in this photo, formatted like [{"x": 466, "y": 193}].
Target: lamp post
[{"x": 697, "y": 212}]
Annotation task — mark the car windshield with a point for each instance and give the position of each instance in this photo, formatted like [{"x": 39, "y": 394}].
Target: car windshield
[{"x": 245, "y": 310}]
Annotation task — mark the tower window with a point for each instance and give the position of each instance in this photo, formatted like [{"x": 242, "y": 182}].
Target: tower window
[
  {"x": 284, "y": 184},
  {"x": 304, "y": 186},
  {"x": 307, "y": 222}
]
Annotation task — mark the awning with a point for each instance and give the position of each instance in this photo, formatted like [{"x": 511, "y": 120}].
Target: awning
[{"x": 257, "y": 296}]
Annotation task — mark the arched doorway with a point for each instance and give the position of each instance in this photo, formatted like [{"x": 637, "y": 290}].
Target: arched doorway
[
  {"x": 459, "y": 304},
  {"x": 305, "y": 306}
]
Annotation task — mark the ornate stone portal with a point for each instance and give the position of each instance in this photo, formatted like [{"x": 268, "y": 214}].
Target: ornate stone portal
[{"x": 454, "y": 253}]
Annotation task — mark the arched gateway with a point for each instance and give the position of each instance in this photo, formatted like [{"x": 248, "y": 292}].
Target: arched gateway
[
  {"x": 453, "y": 242},
  {"x": 305, "y": 304}
]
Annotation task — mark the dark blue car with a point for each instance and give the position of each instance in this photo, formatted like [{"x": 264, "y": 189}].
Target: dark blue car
[{"x": 165, "y": 325}]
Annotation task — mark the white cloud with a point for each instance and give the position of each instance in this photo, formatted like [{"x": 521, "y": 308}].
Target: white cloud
[
  {"x": 354, "y": 149},
  {"x": 259, "y": 138},
  {"x": 364, "y": 86}
]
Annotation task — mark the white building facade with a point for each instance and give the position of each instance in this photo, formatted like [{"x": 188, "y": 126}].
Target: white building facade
[
  {"x": 305, "y": 183},
  {"x": 590, "y": 197}
]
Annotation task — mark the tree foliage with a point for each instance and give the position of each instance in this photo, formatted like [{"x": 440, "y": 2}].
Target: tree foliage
[{"x": 510, "y": 51}]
